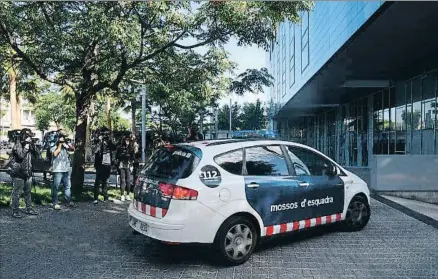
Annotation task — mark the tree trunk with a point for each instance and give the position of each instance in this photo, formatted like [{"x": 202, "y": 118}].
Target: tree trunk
[
  {"x": 161, "y": 123},
  {"x": 108, "y": 113},
  {"x": 133, "y": 112},
  {"x": 88, "y": 149},
  {"x": 15, "y": 106},
  {"x": 78, "y": 171}
]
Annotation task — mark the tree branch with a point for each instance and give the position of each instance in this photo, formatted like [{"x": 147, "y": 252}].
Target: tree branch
[
  {"x": 46, "y": 16},
  {"x": 212, "y": 39},
  {"x": 29, "y": 61},
  {"x": 158, "y": 51}
]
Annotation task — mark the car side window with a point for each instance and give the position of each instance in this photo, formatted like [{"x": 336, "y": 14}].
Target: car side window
[
  {"x": 232, "y": 161},
  {"x": 265, "y": 161},
  {"x": 307, "y": 162}
]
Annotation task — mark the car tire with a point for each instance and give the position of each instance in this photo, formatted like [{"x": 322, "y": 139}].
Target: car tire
[
  {"x": 235, "y": 241},
  {"x": 358, "y": 214}
]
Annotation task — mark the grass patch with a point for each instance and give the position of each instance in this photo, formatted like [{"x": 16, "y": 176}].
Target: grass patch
[{"x": 42, "y": 195}]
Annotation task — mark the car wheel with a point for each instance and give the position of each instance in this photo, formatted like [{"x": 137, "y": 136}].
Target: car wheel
[
  {"x": 358, "y": 214},
  {"x": 236, "y": 240}
]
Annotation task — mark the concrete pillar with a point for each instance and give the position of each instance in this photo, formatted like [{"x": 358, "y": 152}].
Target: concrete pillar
[
  {"x": 317, "y": 134},
  {"x": 287, "y": 130},
  {"x": 338, "y": 132},
  {"x": 359, "y": 134},
  {"x": 347, "y": 137},
  {"x": 325, "y": 145},
  {"x": 370, "y": 133},
  {"x": 309, "y": 126}
]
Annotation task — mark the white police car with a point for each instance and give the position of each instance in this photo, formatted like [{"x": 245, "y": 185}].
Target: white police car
[{"x": 232, "y": 193}]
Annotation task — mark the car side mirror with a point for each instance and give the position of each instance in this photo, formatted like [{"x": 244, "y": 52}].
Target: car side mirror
[{"x": 331, "y": 170}]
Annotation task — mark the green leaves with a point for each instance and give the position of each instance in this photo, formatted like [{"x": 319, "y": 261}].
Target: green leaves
[
  {"x": 252, "y": 80},
  {"x": 92, "y": 48},
  {"x": 52, "y": 107},
  {"x": 250, "y": 116},
  {"x": 94, "y": 45}
]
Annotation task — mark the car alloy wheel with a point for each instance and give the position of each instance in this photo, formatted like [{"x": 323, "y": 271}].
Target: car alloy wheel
[
  {"x": 238, "y": 241},
  {"x": 358, "y": 214}
]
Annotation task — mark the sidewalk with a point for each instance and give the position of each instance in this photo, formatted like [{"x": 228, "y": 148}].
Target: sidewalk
[{"x": 427, "y": 209}]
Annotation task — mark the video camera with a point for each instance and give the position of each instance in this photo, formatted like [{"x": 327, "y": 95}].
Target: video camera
[
  {"x": 101, "y": 132},
  {"x": 20, "y": 135},
  {"x": 52, "y": 138}
]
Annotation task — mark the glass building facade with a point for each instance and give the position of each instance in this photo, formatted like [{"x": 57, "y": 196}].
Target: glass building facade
[{"x": 398, "y": 119}]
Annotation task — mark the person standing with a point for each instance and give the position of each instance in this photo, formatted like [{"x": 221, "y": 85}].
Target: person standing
[
  {"x": 102, "y": 162},
  {"x": 124, "y": 156},
  {"x": 136, "y": 160},
  {"x": 21, "y": 173},
  {"x": 61, "y": 171},
  {"x": 192, "y": 135}
]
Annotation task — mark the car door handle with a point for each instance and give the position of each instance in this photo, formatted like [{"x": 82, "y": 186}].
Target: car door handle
[
  {"x": 253, "y": 185},
  {"x": 304, "y": 184}
]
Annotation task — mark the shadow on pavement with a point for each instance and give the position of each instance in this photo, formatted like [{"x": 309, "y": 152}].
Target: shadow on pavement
[
  {"x": 162, "y": 254},
  {"x": 291, "y": 238}
]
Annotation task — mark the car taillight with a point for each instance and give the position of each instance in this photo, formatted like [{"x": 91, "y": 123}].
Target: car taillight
[
  {"x": 181, "y": 193},
  {"x": 177, "y": 192},
  {"x": 166, "y": 189}
]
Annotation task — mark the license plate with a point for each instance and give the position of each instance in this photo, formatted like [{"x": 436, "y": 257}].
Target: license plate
[
  {"x": 139, "y": 225},
  {"x": 143, "y": 227}
]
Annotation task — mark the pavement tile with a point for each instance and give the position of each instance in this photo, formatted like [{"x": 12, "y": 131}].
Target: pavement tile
[{"x": 96, "y": 242}]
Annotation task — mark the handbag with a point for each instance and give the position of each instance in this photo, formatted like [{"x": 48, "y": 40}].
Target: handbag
[{"x": 13, "y": 167}]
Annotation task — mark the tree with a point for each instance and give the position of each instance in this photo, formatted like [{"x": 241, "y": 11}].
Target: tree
[
  {"x": 52, "y": 107},
  {"x": 224, "y": 117},
  {"x": 16, "y": 84},
  {"x": 85, "y": 46},
  {"x": 411, "y": 119},
  {"x": 252, "y": 80},
  {"x": 253, "y": 116},
  {"x": 118, "y": 123}
]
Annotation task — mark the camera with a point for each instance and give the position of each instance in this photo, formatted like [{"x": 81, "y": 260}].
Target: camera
[
  {"x": 51, "y": 138},
  {"x": 100, "y": 134},
  {"x": 20, "y": 135}
]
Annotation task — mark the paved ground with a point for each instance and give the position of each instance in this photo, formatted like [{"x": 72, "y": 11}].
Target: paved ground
[
  {"x": 428, "y": 209},
  {"x": 96, "y": 242}
]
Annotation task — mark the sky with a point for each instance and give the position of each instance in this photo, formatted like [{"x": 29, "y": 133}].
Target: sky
[
  {"x": 246, "y": 58},
  {"x": 249, "y": 57}
]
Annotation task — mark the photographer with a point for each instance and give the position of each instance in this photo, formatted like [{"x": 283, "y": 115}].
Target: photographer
[
  {"x": 61, "y": 169},
  {"x": 21, "y": 172},
  {"x": 124, "y": 156},
  {"x": 102, "y": 162}
]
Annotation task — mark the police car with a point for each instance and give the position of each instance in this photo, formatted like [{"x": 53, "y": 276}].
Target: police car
[{"x": 232, "y": 193}]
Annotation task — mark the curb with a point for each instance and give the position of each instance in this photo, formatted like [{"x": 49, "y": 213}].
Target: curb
[{"x": 420, "y": 217}]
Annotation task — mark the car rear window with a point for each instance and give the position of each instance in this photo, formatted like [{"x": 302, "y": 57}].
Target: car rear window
[
  {"x": 172, "y": 162},
  {"x": 231, "y": 161}
]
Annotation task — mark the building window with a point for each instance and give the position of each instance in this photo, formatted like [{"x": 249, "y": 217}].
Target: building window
[
  {"x": 292, "y": 54},
  {"x": 278, "y": 75},
  {"x": 305, "y": 54},
  {"x": 283, "y": 60},
  {"x": 405, "y": 119},
  {"x": 27, "y": 115}
]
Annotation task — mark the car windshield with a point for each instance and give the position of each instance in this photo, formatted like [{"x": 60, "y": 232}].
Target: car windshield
[{"x": 172, "y": 162}]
